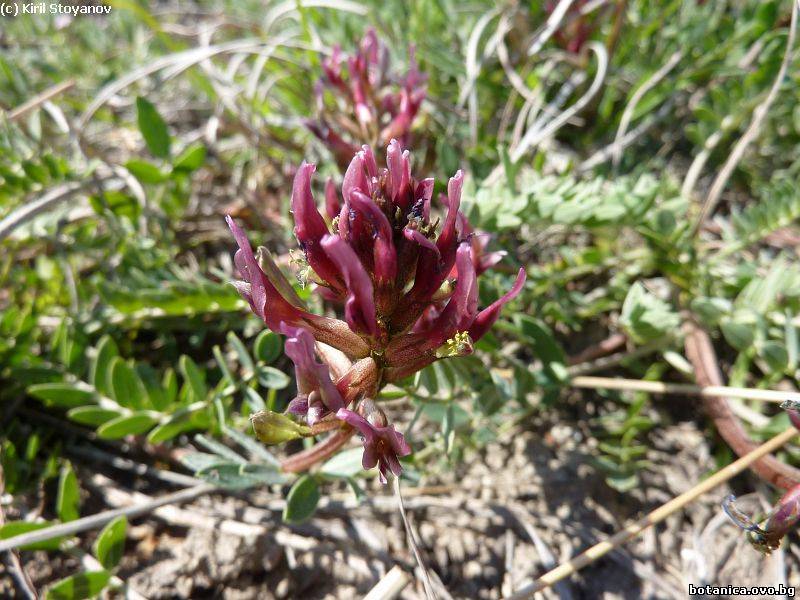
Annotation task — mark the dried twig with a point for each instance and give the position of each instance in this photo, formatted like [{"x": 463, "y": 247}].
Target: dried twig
[
  {"x": 100, "y": 519},
  {"x": 602, "y": 348},
  {"x": 29, "y": 210},
  {"x": 23, "y": 109},
  {"x": 14, "y": 564},
  {"x": 634, "y": 529},
  {"x": 390, "y": 585},
  {"x": 606, "y": 362},
  {"x": 662, "y": 387}
]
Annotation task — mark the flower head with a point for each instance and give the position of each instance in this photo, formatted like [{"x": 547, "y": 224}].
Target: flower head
[
  {"x": 407, "y": 279},
  {"x": 358, "y": 98}
]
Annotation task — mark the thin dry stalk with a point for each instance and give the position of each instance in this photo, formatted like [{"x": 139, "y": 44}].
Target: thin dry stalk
[
  {"x": 100, "y": 519},
  {"x": 412, "y": 541},
  {"x": 627, "y": 114},
  {"x": 534, "y": 137},
  {"x": 662, "y": 387},
  {"x": 623, "y": 536},
  {"x": 759, "y": 115},
  {"x": 24, "y": 109}
]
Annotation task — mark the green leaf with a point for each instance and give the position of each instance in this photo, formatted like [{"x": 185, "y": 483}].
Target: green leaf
[
  {"x": 15, "y": 528},
  {"x": 194, "y": 376},
  {"x": 144, "y": 171},
  {"x": 245, "y": 360},
  {"x": 275, "y": 428},
  {"x": 256, "y": 450},
  {"x": 69, "y": 495},
  {"x": 775, "y": 355},
  {"x": 267, "y": 347},
  {"x": 220, "y": 449},
  {"x": 127, "y": 425},
  {"x": 241, "y": 476},
  {"x": 646, "y": 317},
  {"x": 79, "y": 586},
  {"x": 739, "y": 335},
  {"x": 302, "y": 500},
  {"x": 91, "y": 415},
  {"x": 153, "y": 128},
  {"x": 201, "y": 461},
  {"x": 272, "y": 378},
  {"x": 191, "y": 159},
  {"x": 99, "y": 374},
  {"x": 127, "y": 388},
  {"x": 62, "y": 394},
  {"x": 345, "y": 464},
  {"x": 110, "y": 544}
]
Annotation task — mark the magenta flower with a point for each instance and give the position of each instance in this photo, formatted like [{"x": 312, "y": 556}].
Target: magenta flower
[
  {"x": 382, "y": 443},
  {"x": 406, "y": 278},
  {"x": 317, "y": 396},
  {"x": 358, "y": 98}
]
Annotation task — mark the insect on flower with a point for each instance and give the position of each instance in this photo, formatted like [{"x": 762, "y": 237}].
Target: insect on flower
[{"x": 407, "y": 282}]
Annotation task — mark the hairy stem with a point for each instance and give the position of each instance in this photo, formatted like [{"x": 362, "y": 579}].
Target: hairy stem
[
  {"x": 303, "y": 461},
  {"x": 700, "y": 353}
]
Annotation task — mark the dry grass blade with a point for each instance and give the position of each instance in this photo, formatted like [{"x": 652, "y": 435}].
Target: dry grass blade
[
  {"x": 412, "y": 541},
  {"x": 759, "y": 115},
  {"x": 550, "y": 27},
  {"x": 47, "y": 201},
  {"x": 627, "y": 114},
  {"x": 623, "y": 536},
  {"x": 40, "y": 99},
  {"x": 100, "y": 519},
  {"x": 181, "y": 61},
  {"x": 535, "y": 137}
]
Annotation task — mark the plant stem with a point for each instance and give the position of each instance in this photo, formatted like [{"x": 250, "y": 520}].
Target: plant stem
[
  {"x": 700, "y": 352},
  {"x": 303, "y": 461},
  {"x": 599, "y": 550}
]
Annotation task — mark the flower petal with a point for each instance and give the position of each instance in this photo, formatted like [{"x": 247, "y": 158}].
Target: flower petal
[
  {"x": 261, "y": 291},
  {"x": 310, "y": 227},
  {"x": 312, "y": 376},
  {"x": 356, "y": 420},
  {"x": 360, "y": 304},
  {"x": 332, "y": 205},
  {"x": 488, "y": 315},
  {"x": 412, "y": 235},
  {"x": 399, "y": 167},
  {"x": 384, "y": 255}
]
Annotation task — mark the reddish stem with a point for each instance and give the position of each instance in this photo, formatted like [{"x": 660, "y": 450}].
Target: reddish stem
[
  {"x": 700, "y": 353},
  {"x": 606, "y": 346},
  {"x": 303, "y": 461}
]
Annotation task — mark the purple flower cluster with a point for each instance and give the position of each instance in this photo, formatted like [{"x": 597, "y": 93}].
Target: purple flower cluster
[
  {"x": 358, "y": 98},
  {"x": 408, "y": 284}
]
